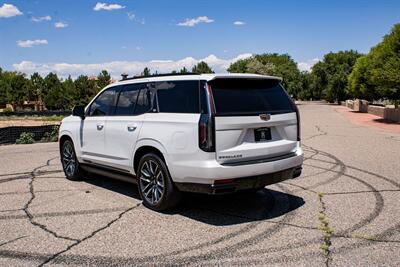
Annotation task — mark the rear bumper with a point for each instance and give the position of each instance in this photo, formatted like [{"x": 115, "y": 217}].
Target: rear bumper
[
  {"x": 244, "y": 183},
  {"x": 207, "y": 171}
]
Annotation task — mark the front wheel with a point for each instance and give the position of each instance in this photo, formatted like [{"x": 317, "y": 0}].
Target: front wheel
[
  {"x": 155, "y": 185},
  {"x": 70, "y": 164}
]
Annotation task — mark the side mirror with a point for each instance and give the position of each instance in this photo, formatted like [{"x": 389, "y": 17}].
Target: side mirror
[{"x": 79, "y": 111}]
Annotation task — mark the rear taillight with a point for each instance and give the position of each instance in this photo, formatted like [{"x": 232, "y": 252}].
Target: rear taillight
[
  {"x": 298, "y": 119},
  {"x": 207, "y": 124}
]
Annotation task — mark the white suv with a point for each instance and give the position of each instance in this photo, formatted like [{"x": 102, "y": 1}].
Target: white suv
[{"x": 208, "y": 133}]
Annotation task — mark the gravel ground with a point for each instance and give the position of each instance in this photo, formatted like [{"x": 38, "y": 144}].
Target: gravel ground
[{"x": 342, "y": 211}]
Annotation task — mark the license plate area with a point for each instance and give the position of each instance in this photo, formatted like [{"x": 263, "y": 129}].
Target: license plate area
[{"x": 262, "y": 134}]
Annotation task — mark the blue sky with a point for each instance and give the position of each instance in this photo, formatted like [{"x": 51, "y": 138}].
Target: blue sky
[{"x": 125, "y": 35}]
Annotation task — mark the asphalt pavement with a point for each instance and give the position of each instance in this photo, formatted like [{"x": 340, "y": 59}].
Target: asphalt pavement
[{"x": 343, "y": 211}]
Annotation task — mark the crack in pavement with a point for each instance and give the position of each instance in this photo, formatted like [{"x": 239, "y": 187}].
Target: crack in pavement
[
  {"x": 75, "y": 241},
  {"x": 60, "y": 214},
  {"x": 366, "y": 238},
  {"x": 320, "y": 133},
  {"x": 326, "y": 230},
  {"x": 12, "y": 240},
  {"x": 78, "y": 241},
  {"x": 33, "y": 196}
]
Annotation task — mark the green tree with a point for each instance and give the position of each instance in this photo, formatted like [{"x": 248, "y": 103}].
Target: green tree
[
  {"x": 103, "y": 79},
  {"x": 146, "y": 72},
  {"x": 377, "y": 75},
  {"x": 318, "y": 80},
  {"x": 16, "y": 88},
  {"x": 37, "y": 86},
  {"x": 385, "y": 66},
  {"x": 4, "y": 87},
  {"x": 306, "y": 93},
  {"x": 202, "y": 67},
  {"x": 281, "y": 65},
  {"x": 55, "y": 96},
  {"x": 330, "y": 76},
  {"x": 360, "y": 83},
  {"x": 85, "y": 90},
  {"x": 69, "y": 92},
  {"x": 184, "y": 70}
]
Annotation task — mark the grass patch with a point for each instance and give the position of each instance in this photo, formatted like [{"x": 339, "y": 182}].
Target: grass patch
[
  {"x": 366, "y": 237},
  {"x": 33, "y": 118},
  {"x": 325, "y": 229}
]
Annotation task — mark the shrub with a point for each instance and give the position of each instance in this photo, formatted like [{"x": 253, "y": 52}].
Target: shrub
[
  {"x": 25, "y": 138},
  {"x": 7, "y": 111},
  {"x": 51, "y": 136}
]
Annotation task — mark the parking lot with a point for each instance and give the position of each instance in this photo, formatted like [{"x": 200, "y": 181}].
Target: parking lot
[{"x": 344, "y": 210}]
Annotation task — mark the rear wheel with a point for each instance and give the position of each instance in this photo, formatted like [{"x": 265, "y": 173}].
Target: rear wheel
[
  {"x": 70, "y": 164},
  {"x": 155, "y": 185}
]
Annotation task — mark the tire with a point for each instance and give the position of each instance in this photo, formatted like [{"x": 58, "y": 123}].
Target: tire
[
  {"x": 69, "y": 162},
  {"x": 155, "y": 184}
]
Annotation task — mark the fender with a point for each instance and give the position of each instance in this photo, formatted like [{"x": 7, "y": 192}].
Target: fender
[
  {"x": 74, "y": 140},
  {"x": 150, "y": 142}
]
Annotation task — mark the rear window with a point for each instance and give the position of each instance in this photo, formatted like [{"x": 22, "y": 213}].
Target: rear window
[
  {"x": 249, "y": 97},
  {"x": 178, "y": 96}
]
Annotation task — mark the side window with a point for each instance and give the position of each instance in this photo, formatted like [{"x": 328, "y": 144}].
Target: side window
[
  {"x": 103, "y": 105},
  {"x": 203, "y": 98},
  {"x": 178, "y": 96},
  {"x": 127, "y": 99},
  {"x": 144, "y": 101}
]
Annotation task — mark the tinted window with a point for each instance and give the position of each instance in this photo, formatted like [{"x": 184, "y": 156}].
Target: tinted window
[
  {"x": 104, "y": 103},
  {"x": 127, "y": 99},
  {"x": 203, "y": 97},
  {"x": 249, "y": 96},
  {"x": 144, "y": 101},
  {"x": 178, "y": 96}
]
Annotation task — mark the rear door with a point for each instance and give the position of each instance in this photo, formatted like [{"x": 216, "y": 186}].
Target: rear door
[
  {"x": 124, "y": 126},
  {"x": 254, "y": 120}
]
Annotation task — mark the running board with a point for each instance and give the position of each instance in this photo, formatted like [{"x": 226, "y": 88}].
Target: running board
[{"x": 110, "y": 172}]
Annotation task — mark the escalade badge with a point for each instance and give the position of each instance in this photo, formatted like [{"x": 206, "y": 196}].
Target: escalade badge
[{"x": 265, "y": 117}]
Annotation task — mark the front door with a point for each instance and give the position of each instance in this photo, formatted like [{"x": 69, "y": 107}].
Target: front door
[{"x": 94, "y": 127}]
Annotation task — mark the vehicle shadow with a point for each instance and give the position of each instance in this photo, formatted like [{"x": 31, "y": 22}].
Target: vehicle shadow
[
  {"x": 241, "y": 207},
  {"x": 221, "y": 210}
]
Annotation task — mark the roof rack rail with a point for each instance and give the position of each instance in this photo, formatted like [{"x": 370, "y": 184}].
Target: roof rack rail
[{"x": 158, "y": 75}]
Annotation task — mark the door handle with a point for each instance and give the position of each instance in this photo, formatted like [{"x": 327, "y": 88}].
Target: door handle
[
  {"x": 100, "y": 127},
  {"x": 131, "y": 128}
]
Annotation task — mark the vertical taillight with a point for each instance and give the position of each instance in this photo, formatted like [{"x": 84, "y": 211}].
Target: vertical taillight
[
  {"x": 207, "y": 121},
  {"x": 298, "y": 119}
]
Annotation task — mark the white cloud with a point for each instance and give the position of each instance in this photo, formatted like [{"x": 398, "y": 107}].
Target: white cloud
[
  {"x": 239, "y": 23},
  {"x": 131, "y": 16},
  {"x": 194, "y": 21},
  {"x": 60, "y": 24},
  {"x": 9, "y": 10},
  {"x": 307, "y": 65},
  {"x": 104, "y": 6},
  {"x": 118, "y": 67},
  {"x": 39, "y": 19},
  {"x": 30, "y": 43}
]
